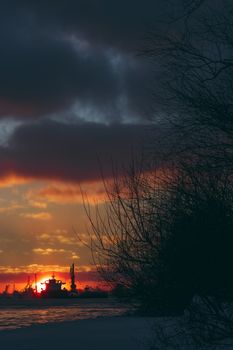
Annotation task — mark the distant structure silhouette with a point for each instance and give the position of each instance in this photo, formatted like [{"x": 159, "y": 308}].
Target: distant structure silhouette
[
  {"x": 53, "y": 288},
  {"x": 72, "y": 277}
]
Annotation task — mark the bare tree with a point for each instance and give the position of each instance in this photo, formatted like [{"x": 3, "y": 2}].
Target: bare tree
[
  {"x": 194, "y": 95},
  {"x": 166, "y": 236},
  {"x": 194, "y": 99}
]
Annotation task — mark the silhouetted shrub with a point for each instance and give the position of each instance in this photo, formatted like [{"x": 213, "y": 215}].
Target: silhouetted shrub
[{"x": 165, "y": 238}]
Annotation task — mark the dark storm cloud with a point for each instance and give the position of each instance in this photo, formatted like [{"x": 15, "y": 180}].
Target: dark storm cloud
[
  {"x": 44, "y": 67},
  {"x": 121, "y": 23},
  {"x": 40, "y": 73},
  {"x": 53, "y": 150}
]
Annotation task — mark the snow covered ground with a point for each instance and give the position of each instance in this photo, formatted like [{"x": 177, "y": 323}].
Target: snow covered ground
[
  {"x": 113, "y": 333},
  {"x": 108, "y": 333}
]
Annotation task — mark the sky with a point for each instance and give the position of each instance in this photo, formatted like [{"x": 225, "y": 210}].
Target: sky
[{"x": 74, "y": 100}]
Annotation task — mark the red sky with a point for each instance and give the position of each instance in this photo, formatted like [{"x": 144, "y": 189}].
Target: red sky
[
  {"x": 19, "y": 280},
  {"x": 73, "y": 103},
  {"x": 40, "y": 221}
]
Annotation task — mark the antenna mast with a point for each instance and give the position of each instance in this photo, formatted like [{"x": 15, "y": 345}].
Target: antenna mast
[
  {"x": 72, "y": 277},
  {"x": 36, "y": 290}
]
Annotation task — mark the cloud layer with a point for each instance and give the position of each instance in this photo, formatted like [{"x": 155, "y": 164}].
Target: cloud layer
[
  {"x": 73, "y": 152},
  {"x": 73, "y": 103},
  {"x": 53, "y": 55}
]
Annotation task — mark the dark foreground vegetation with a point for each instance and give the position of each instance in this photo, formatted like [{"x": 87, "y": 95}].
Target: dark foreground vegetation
[{"x": 166, "y": 237}]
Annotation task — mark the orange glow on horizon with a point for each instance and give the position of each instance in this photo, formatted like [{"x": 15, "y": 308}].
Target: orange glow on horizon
[
  {"x": 66, "y": 192},
  {"x": 41, "y": 283},
  {"x": 12, "y": 179},
  {"x": 19, "y": 286}
]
